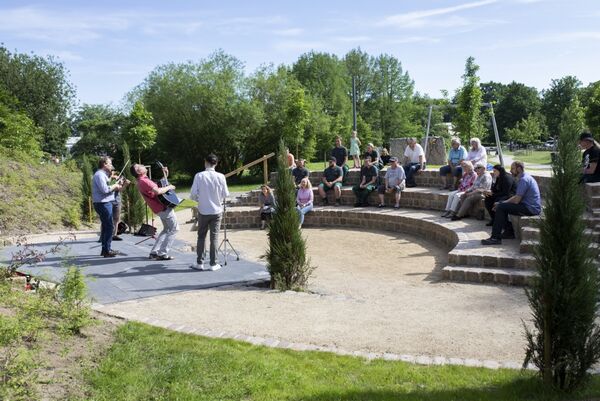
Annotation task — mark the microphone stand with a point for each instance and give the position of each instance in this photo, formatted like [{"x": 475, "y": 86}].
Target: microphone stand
[{"x": 226, "y": 241}]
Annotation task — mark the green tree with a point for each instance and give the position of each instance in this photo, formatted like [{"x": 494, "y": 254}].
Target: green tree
[
  {"x": 43, "y": 92},
  {"x": 139, "y": 132},
  {"x": 469, "y": 122},
  {"x": 17, "y": 131},
  {"x": 556, "y": 99},
  {"x": 286, "y": 112},
  {"x": 592, "y": 112},
  {"x": 132, "y": 201},
  {"x": 517, "y": 102},
  {"x": 527, "y": 131},
  {"x": 358, "y": 65},
  {"x": 86, "y": 188},
  {"x": 286, "y": 257},
  {"x": 100, "y": 129},
  {"x": 200, "y": 108},
  {"x": 564, "y": 298}
]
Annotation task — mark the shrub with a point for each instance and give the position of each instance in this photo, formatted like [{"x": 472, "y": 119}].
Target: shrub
[{"x": 73, "y": 306}]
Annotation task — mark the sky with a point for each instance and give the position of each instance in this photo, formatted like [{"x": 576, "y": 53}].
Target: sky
[{"x": 109, "y": 47}]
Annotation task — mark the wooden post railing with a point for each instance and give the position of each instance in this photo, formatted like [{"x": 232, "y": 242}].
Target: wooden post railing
[{"x": 265, "y": 167}]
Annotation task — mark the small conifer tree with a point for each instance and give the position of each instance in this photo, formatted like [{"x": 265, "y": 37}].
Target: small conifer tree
[
  {"x": 286, "y": 257},
  {"x": 565, "y": 341},
  {"x": 132, "y": 201},
  {"x": 86, "y": 188}
]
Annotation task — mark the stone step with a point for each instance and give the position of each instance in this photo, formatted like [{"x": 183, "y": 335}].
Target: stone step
[
  {"x": 594, "y": 201},
  {"x": 592, "y": 189},
  {"x": 528, "y": 246},
  {"x": 509, "y": 276},
  {"x": 505, "y": 261},
  {"x": 533, "y": 233}
]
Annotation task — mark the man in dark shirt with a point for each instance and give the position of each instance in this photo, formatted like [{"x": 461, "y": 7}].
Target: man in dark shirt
[
  {"x": 590, "y": 158},
  {"x": 332, "y": 179},
  {"x": 341, "y": 157},
  {"x": 300, "y": 172},
  {"x": 368, "y": 183}
]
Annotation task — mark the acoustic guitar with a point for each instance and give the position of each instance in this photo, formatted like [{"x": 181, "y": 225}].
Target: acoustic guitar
[{"x": 169, "y": 198}]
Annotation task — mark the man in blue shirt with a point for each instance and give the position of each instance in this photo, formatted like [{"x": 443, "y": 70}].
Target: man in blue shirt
[
  {"x": 526, "y": 202},
  {"x": 103, "y": 195},
  {"x": 456, "y": 155}
]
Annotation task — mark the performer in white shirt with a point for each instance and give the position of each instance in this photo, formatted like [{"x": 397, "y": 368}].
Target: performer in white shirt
[{"x": 209, "y": 190}]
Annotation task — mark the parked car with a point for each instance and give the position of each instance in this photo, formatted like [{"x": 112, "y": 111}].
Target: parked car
[{"x": 550, "y": 144}]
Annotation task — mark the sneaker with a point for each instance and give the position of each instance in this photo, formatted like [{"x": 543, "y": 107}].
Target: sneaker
[
  {"x": 109, "y": 254},
  {"x": 197, "y": 266},
  {"x": 491, "y": 241},
  {"x": 411, "y": 185},
  {"x": 152, "y": 255},
  {"x": 214, "y": 267},
  {"x": 455, "y": 218},
  {"x": 397, "y": 206},
  {"x": 338, "y": 202},
  {"x": 508, "y": 235},
  {"x": 325, "y": 201},
  {"x": 381, "y": 205},
  {"x": 117, "y": 238},
  {"x": 164, "y": 257}
]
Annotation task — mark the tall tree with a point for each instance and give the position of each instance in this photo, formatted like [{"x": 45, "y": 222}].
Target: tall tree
[
  {"x": 200, "y": 108},
  {"x": 139, "y": 132},
  {"x": 469, "y": 122},
  {"x": 564, "y": 298},
  {"x": 100, "y": 129},
  {"x": 556, "y": 99},
  {"x": 592, "y": 112},
  {"x": 358, "y": 65},
  {"x": 527, "y": 131},
  {"x": 44, "y": 93},
  {"x": 516, "y": 103},
  {"x": 17, "y": 131}
]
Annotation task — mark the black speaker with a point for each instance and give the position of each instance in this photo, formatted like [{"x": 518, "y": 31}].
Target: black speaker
[{"x": 146, "y": 230}]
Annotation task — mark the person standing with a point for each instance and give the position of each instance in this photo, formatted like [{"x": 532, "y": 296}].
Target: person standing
[
  {"x": 103, "y": 195},
  {"x": 355, "y": 149},
  {"x": 209, "y": 190},
  {"x": 341, "y": 157},
  {"x": 117, "y": 204},
  {"x": 150, "y": 192},
  {"x": 414, "y": 161}
]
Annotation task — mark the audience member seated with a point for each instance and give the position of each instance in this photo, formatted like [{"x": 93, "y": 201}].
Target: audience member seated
[
  {"x": 374, "y": 155},
  {"x": 414, "y": 161},
  {"x": 473, "y": 196},
  {"x": 394, "y": 182},
  {"x": 385, "y": 157},
  {"x": 266, "y": 202},
  {"x": 368, "y": 183},
  {"x": 300, "y": 172},
  {"x": 590, "y": 158},
  {"x": 290, "y": 159},
  {"x": 341, "y": 157},
  {"x": 456, "y": 155},
  {"x": 332, "y": 179},
  {"x": 477, "y": 153},
  {"x": 503, "y": 187},
  {"x": 466, "y": 182},
  {"x": 304, "y": 199},
  {"x": 526, "y": 202}
]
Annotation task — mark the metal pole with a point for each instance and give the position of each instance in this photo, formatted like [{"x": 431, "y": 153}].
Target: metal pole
[
  {"x": 498, "y": 144},
  {"x": 354, "y": 103},
  {"x": 265, "y": 171},
  {"x": 427, "y": 132}
]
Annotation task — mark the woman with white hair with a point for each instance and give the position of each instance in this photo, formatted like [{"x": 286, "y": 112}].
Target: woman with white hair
[
  {"x": 466, "y": 182},
  {"x": 477, "y": 153}
]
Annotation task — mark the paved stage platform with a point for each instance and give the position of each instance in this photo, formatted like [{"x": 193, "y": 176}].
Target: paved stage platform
[{"x": 132, "y": 275}]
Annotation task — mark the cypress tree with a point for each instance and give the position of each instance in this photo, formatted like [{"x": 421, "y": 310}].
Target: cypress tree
[
  {"x": 286, "y": 257},
  {"x": 565, "y": 340},
  {"x": 132, "y": 201},
  {"x": 86, "y": 188}
]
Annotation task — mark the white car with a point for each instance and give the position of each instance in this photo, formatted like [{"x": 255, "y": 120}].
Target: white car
[{"x": 550, "y": 144}]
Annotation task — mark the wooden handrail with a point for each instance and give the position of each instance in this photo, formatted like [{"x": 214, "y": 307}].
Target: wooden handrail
[{"x": 244, "y": 167}]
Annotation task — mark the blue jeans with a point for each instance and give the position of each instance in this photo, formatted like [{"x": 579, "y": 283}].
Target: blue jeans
[
  {"x": 410, "y": 170},
  {"x": 303, "y": 210},
  {"x": 105, "y": 211},
  {"x": 456, "y": 171},
  {"x": 501, "y": 221}
]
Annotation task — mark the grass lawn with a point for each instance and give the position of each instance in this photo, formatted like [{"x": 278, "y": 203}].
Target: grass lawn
[
  {"x": 534, "y": 157},
  {"x": 148, "y": 363}
]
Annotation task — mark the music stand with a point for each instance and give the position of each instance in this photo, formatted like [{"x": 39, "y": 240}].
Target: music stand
[{"x": 226, "y": 241}]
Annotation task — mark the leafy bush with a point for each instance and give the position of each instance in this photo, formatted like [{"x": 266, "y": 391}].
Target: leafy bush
[{"x": 73, "y": 306}]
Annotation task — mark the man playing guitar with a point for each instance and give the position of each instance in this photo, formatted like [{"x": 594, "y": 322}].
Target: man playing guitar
[{"x": 150, "y": 192}]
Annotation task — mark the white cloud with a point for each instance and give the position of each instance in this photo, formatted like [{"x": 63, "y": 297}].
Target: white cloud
[
  {"x": 562, "y": 37},
  {"x": 416, "y": 19},
  {"x": 352, "y": 39},
  {"x": 413, "y": 39}
]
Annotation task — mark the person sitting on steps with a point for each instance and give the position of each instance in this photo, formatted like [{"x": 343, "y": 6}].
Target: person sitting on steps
[
  {"x": 466, "y": 182},
  {"x": 368, "y": 183},
  {"x": 474, "y": 195},
  {"x": 526, "y": 202},
  {"x": 452, "y": 170},
  {"x": 414, "y": 161},
  {"x": 503, "y": 187},
  {"x": 300, "y": 172},
  {"x": 266, "y": 203},
  {"x": 332, "y": 179},
  {"x": 304, "y": 199},
  {"x": 394, "y": 182},
  {"x": 341, "y": 157}
]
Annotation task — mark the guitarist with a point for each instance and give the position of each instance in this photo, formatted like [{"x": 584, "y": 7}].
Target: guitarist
[{"x": 150, "y": 192}]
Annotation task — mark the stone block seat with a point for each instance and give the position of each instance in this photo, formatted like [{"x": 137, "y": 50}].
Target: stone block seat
[{"x": 419, "y": 214}]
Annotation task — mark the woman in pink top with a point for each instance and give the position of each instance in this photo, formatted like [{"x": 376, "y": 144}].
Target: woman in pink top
[
  {"x": 304, "y": 199},
  {"x": 468, "y": 178}
]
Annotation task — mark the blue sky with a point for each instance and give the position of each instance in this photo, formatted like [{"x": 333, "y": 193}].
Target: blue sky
[{"x": 109, "y": 47}]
